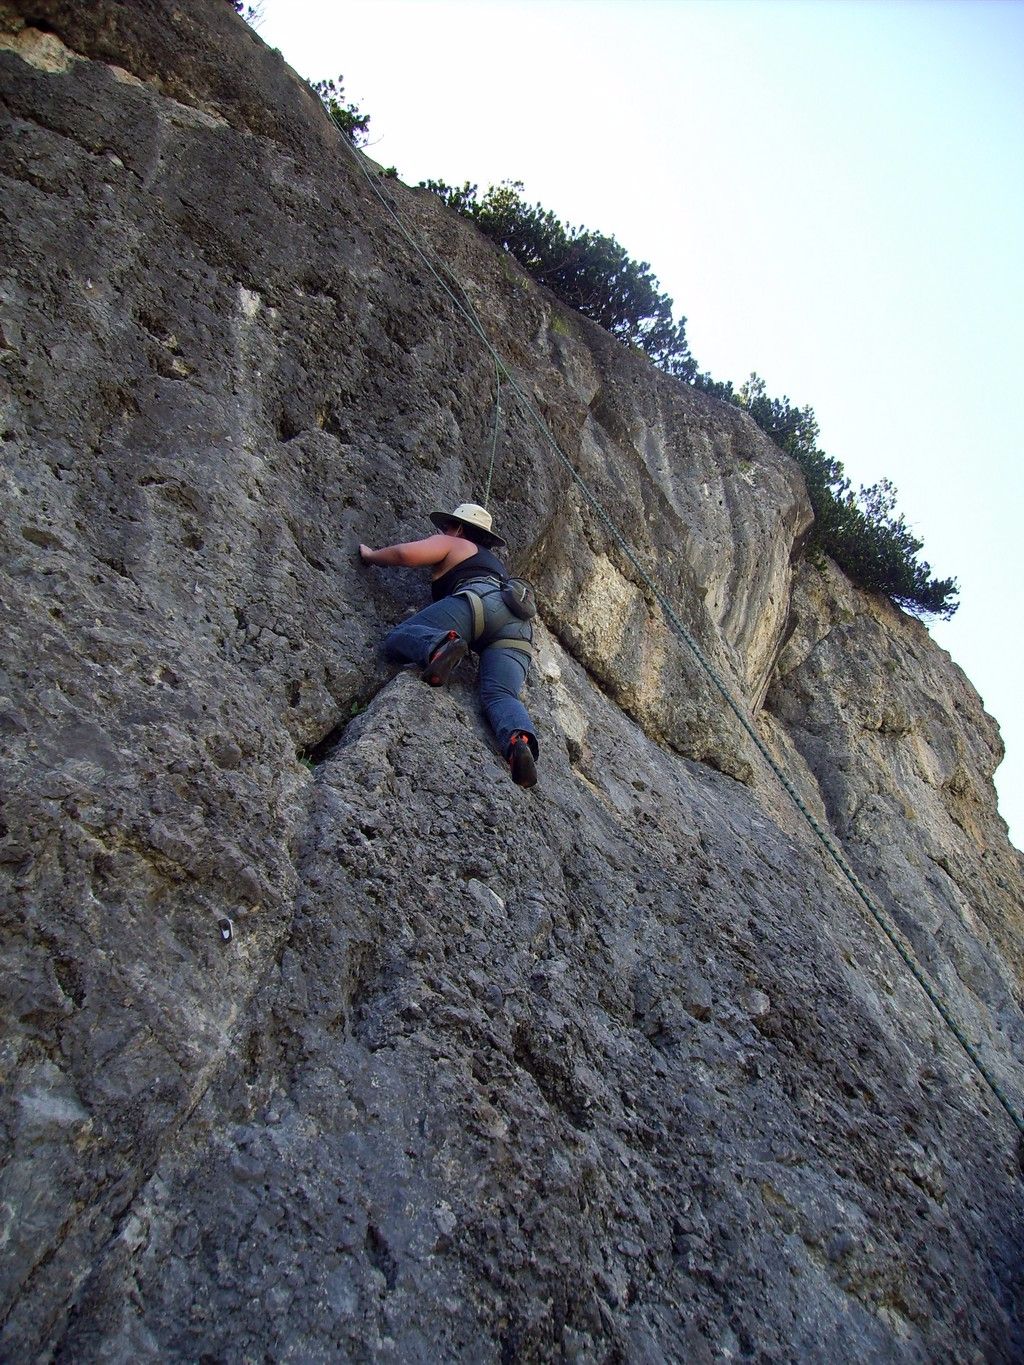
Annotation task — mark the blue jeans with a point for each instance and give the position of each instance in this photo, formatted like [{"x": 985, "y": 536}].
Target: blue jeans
[{"x": 503, "y": 672}]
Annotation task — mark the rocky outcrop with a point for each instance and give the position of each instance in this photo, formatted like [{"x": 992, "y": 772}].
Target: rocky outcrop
[{"x": 611, "y": 1070}]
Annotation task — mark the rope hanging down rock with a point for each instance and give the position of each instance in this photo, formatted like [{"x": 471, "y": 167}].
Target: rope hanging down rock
[
  {"x": 494, "y": 438},
  {"x": 456, "y": 293}
]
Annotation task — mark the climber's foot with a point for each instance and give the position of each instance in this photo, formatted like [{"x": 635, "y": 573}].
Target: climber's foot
[
  {"x": 521, "y": 761},
  {"x": 445, "y": 659}
]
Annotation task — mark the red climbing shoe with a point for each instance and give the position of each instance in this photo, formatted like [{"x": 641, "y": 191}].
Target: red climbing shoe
[
  {"x": 445, "y": 659},
  {"x": 520, "y": 760}
]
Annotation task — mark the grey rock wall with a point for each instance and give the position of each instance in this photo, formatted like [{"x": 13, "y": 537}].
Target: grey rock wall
[{"x": 613, "y": 1070}]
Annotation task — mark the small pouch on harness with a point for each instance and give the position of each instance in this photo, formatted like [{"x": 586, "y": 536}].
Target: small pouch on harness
[{"x": 519, "y": 597}]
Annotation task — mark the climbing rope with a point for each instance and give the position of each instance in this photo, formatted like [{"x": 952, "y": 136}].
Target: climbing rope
[
  {"x": 497, "y": 423},
  {"x": 456, "y": 293}
]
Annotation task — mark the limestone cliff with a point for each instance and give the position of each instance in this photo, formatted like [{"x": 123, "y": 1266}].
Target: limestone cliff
[{"x": 612, "y": 1070}]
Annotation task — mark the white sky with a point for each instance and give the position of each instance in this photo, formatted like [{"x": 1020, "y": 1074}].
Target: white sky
[{"x": 830, "y": 190}]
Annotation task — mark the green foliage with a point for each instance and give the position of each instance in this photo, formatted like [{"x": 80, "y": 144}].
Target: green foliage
[
  {"x": 861, "y": 531},
  {"x": 344, "y": 116},
  {"x": 587, "y": 270}
]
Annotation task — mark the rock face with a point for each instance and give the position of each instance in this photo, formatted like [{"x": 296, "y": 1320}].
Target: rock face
[{"x": 612, "y": 1070}]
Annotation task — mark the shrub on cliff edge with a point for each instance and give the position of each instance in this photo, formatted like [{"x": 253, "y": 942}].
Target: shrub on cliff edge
[
  {"x": 587, "y": 270},
  {"x": 344, "y": 116},
  {"x": 861, "y": 531}
]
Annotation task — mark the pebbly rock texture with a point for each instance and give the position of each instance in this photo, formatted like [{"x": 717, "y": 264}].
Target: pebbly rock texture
[{"x": 611, "y": 1070}]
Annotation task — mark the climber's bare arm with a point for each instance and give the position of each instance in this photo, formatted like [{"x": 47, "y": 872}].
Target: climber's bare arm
[{"x": 413, "y": 554}]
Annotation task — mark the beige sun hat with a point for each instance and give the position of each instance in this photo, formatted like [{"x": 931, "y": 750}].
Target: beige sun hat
[{"x": 475, "y": 518}]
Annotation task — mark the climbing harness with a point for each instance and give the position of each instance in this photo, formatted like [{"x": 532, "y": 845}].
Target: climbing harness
[
  {"x": 488, "y": 585},
  {"x": 881, "y": 919},
  {"x": 517, "y": 595}
]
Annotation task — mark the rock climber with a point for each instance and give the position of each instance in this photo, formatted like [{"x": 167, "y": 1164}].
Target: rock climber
[{"x": 467, "y": 608}]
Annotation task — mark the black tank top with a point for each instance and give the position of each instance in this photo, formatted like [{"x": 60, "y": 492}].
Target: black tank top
[{"x": 481, "y": 565}]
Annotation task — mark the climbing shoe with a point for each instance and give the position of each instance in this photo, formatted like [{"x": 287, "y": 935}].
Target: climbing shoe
[
  {"x": 520, "y": 760},
  {"x": 445, "y": 659}
]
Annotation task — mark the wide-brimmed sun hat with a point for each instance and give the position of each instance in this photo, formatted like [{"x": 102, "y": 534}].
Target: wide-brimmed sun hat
[{"x": 475, "y": 518}]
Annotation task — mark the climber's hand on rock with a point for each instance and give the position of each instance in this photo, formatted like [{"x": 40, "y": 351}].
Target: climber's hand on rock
[{"x": 365, "y": 554}]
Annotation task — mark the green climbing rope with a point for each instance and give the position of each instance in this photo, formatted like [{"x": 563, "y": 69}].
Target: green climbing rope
[
  {"x": 497, "y": 425},
  {"x": 454, "y": 291}
]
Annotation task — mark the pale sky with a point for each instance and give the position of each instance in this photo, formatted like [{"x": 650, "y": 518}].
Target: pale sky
[{"x": 830, "y": 190}]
